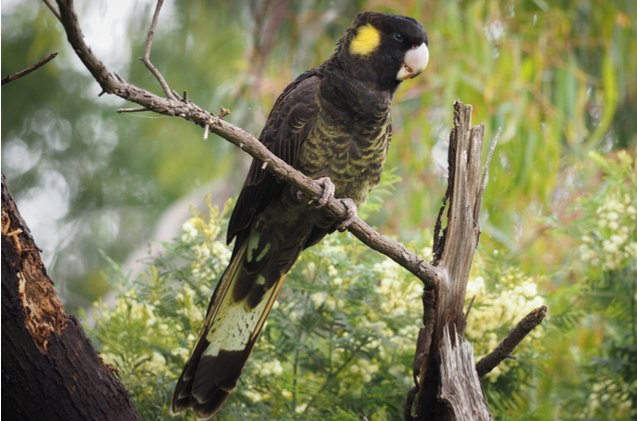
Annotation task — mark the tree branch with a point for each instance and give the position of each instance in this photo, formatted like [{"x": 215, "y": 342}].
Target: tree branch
[
  {"x": 190, "y": 111},
  {"x": 513, "y": 339},
  {"x": 149, "y": 46},
  {"x": 52, "y": 9},
  {"x": 447, "y": 386},
  {"x": 24, "y": 72}
]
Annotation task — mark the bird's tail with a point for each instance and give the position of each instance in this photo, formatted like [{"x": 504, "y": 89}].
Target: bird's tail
[{"x": 238, "y": 310}]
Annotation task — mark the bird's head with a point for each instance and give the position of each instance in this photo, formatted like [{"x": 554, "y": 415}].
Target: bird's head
[{"x": 385, "y": 49}]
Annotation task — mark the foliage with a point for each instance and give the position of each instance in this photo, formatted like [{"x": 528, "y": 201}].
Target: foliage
[
  {"x": 610, "y": 217},
  {"x": 510, "y": 294},
  {"x": 608, "y": 234},
  {"x": 148, "y": 332},
  {"x": 557, "y": 77},
  {"x": 337, "y": 345}
]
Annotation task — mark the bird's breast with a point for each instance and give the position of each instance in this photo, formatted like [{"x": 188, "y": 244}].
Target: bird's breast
[{"x": 352, "y": 155}]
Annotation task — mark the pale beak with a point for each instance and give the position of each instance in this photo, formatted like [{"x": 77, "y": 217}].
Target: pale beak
[{"x": 415, "y": 62}]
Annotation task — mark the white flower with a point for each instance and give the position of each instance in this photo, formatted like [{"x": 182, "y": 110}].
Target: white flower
[
  {"x": 156, "y": 363},
  {"x": 272, "y": 368},
  {"x": 476, "y": 286},
  {"x": 631, "y": 250},
  {"x": 253, "y": 395},
  {"x": 609, "y": 247},
  {"x": 318, "y": 298},
  {"x": 612, "y": 216},
  {"x": 189, "y": 230}
]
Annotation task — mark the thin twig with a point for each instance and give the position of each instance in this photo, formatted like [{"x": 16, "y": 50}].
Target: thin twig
[
  {"x": 485, "y": 172},
  {"x": 222, "y": 112},
  {"x": 469, "y": 307},
  {"x": 487, "y": 162},
  {"x": 508, "y": 344},
  {"x": 147, "y": 50},
  {"x": 29, "y": 69},
  {"x": 52, "y": 9}
]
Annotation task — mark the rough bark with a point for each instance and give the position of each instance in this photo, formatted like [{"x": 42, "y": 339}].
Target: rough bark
[
  {"x": 460, "y": 389},
  {"x": 447, "y": 385},
  {"x": 50, "y": 371}
]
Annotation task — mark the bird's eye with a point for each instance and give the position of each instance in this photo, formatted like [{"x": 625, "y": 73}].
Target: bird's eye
[{"x": 398, "y": 36}]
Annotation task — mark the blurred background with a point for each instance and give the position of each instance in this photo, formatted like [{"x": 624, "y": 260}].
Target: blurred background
[{"x": 559, "y": 79}]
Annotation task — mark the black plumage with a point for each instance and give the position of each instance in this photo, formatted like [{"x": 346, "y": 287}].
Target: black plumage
[{"x": 332, "y": 121}]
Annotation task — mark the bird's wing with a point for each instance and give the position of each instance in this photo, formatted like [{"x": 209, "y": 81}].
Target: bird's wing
[{"x": 292, "y": 117}]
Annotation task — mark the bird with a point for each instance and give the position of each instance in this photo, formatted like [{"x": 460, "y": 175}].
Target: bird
[{"x": 333, "y": 123}]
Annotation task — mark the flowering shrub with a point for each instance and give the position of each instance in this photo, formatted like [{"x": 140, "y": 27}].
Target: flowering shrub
[
  {"x": 497, "y": 308},
  {"x": 339, "y": 343},
  {"x": 608, "y": 255},
  {"x": 611, "y": 239},
  {"x": 148, "y": 332}
]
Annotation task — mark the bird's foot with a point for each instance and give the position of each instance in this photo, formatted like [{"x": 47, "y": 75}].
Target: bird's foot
[
  {"x": 352, "y": 211},
  {"x": 328, "y": 191},
  {"x": 328, "y": 194}
]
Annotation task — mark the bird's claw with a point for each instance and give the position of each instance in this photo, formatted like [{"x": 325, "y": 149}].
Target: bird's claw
[
  {"x": 328, "y": 191},
  {"x": 328, "y": 194},
  {"x": 352, "y": 211}
]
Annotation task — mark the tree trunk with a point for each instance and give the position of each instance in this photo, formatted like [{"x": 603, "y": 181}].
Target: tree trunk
[
  {"x": 50, "y": 371},
  {"x": 447, "y": 383}
]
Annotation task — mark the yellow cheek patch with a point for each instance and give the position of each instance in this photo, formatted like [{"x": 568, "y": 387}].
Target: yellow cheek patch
[{"x": 367, "y": 39}]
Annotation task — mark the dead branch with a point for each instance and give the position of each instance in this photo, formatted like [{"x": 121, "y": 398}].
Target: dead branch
[
  {"x": 447, "y": 387},
  {"x": 190, "y": 111},
  {"x": 29, "y": 69},
  {"x": 513, "y": 339}
]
